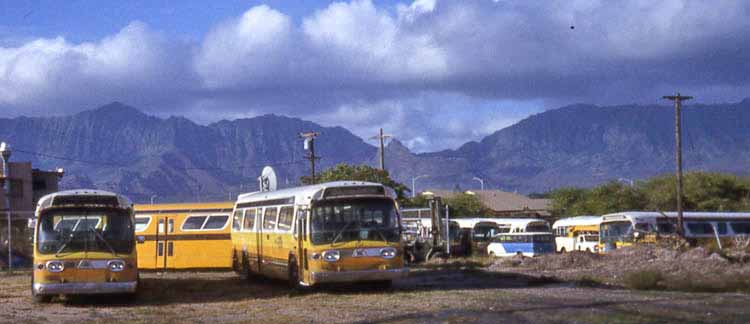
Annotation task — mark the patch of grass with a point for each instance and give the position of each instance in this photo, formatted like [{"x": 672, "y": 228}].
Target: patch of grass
[
  {"x": 588, "y": 281},
  {"x": 693, "y": 283},
  {"x": 645, "y": 280}
]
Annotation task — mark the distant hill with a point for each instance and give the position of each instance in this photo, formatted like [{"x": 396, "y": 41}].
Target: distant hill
[
  {"x": 584, "y": 145},
  {"x": 117, "y": 147},
  {"x": 174, "y": 158}
]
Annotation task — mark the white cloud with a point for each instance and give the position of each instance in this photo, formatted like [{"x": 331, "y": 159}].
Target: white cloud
[
  {"x": 253, "y": 50},
  {"x": 436, "y": 72}
]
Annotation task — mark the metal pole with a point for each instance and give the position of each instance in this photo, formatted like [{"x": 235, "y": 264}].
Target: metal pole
[
  {"x": 414, "y": 185},
  {"x": 152, "y": 199},
  {"x": 5, "y": 155},
  {"x": 382, "y": 150},
  {"x": 447, "y": 231},
  {"x": 678, "y": 155},
  {"x": 481, "y": 182}
]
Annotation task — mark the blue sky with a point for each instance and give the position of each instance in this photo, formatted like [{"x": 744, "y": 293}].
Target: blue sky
[{"x": 434, "y": 73}]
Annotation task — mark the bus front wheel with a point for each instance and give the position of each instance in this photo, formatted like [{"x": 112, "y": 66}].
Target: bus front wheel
[{"x": 293, "y": 277}]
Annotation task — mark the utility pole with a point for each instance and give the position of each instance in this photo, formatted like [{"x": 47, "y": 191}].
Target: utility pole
[
  {"x": 5, "y": 155},
  {"x": 310, "y": 145},
  {"x": 678, "y": 153},
  {"x": 382, "y": 138}
]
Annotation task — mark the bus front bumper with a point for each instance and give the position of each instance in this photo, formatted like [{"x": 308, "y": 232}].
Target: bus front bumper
[
  {"x": 360, "y": 275},
  {"x": 73, "y": 288}
]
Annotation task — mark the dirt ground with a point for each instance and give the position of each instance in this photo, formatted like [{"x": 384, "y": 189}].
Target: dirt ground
[{"x": 453, "y": 293}]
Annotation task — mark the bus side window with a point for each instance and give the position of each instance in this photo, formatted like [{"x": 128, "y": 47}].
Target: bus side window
[
  {"x": 237, "y": 220},
  {"x": 248, "y": 223}
]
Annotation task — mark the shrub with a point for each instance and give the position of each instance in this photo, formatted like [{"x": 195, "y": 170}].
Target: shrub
[{"x": 645, "y": 280}]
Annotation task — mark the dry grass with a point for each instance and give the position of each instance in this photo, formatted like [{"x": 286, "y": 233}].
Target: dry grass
[{"x": 453, "y": 292}]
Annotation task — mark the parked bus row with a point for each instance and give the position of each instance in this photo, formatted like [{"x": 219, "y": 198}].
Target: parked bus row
[{"x": 95, "y": 242}]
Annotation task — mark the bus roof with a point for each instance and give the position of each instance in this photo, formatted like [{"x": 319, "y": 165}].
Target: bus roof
[
  {"x": 510, "y": 222},
  {"x": 578, "y": 221},
  {"x": 55, "y": 198},
  {"x": 306, "y": 194},
  {"x": 634, "y": 215},
  {"x": 218, "y": 206}
]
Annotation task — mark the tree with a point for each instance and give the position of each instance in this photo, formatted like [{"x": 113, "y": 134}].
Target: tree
[
  {"x": 343, "y": 171},
  {"x": 464, "y": 205}
]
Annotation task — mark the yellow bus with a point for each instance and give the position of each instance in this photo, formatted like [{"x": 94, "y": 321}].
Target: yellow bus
[
  {"x": 341, "y": 231},
  {"x": 184, "y": 236},
  {"x": 579, "y": 233},
  {"x": 84, "y": 244}
]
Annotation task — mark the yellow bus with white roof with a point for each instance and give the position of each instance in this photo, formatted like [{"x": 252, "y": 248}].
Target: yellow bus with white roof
[
  {"x": 84, "y": 244},
  {"x": 345, "y": 231}
]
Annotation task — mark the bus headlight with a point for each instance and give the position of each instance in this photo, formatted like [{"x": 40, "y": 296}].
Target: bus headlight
[
  {"x": 116, "y": 265},
  {"x": 388, "y": 253},
  {"x": 331, "y": 256},
  {"x": 55, "y": 266}
]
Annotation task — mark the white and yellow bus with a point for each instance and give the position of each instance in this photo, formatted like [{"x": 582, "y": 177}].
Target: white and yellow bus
[
  {"x": 342, "y": 231},
  {"x": 184, "y": 236},
  {"x": 580, "y": 233},
  {"x": 628, "y": 228},
  {"x": 84, "y": 244}
]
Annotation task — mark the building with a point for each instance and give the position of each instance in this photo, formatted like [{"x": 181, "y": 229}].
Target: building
[
  {"x": 27, "y": 185},
  {"x": 503, "y": 204}
]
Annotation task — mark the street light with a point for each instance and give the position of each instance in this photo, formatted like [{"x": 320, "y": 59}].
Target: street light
[
  {"x": 413, "y": 184},
  {"x": 481, "y": 182},
  {"x": 5, "y": 155},
  {"x": 626, "y": 180}
]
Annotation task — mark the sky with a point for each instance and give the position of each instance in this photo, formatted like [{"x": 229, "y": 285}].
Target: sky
[{"x": 435, "y": 74}]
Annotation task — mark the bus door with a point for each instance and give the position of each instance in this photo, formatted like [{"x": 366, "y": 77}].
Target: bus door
[
  {"x": 300, "y": 235},
  {"x": 164, "y": 256}
]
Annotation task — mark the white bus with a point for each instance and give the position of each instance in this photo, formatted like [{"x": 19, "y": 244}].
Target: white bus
[
  {"x": 626, "y": 228},
  {"x": 580, "y": 233}
]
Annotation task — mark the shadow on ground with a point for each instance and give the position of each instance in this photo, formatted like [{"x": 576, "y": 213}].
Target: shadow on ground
[{"x": 206, "y": 287}]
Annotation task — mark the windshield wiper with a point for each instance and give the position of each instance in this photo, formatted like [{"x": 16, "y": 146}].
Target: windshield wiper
[
  {"x": 62, "y": 247},
  {"x": 99, "y": 236},
  {"x": 340, "y": 233}
]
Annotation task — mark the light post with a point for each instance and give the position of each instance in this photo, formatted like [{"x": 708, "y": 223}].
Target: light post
[
  {"x": 481, "y": 182},
  {"x": 152, "y": 198},
  {"x": 5, "y": 155},
  {"x": 626, "y": 180},
  {"x": 414, "y": 185}
]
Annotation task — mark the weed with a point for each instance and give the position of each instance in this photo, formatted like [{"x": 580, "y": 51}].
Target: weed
[{"x": 645, "y": 280}]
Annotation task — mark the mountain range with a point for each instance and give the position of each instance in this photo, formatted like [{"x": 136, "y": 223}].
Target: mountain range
[{"x": 117, "y": 147}]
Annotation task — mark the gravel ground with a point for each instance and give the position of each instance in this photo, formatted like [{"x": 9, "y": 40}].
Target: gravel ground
[{"x": 434, "y": 293}]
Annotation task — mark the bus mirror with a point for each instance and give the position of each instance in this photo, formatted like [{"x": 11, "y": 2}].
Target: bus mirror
[
  {"x": 637, "y": 235},
  {"x": 31, "y": 223}
]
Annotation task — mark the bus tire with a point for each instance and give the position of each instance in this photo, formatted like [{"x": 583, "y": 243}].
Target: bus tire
[
  {"x": 588, "y": 250},
  {"x": 562, "y": 250},
  {"x": 245, "y": 268},
  {"x": 293, "y": 275}
]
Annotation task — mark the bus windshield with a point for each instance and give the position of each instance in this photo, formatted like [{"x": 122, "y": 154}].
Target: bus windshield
[
  {"x": 354, "y": 220},
  {"x": 79, "y": 230},
  {"x": 617, "y": 231},
  {"x": 483, "y": 232}
]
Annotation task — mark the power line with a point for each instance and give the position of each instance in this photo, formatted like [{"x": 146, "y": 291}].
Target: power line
[{"x": 113, "y": 164}]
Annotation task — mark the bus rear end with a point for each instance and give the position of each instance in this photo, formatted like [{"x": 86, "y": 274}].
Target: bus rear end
[{"x": 84, "y": 244}]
